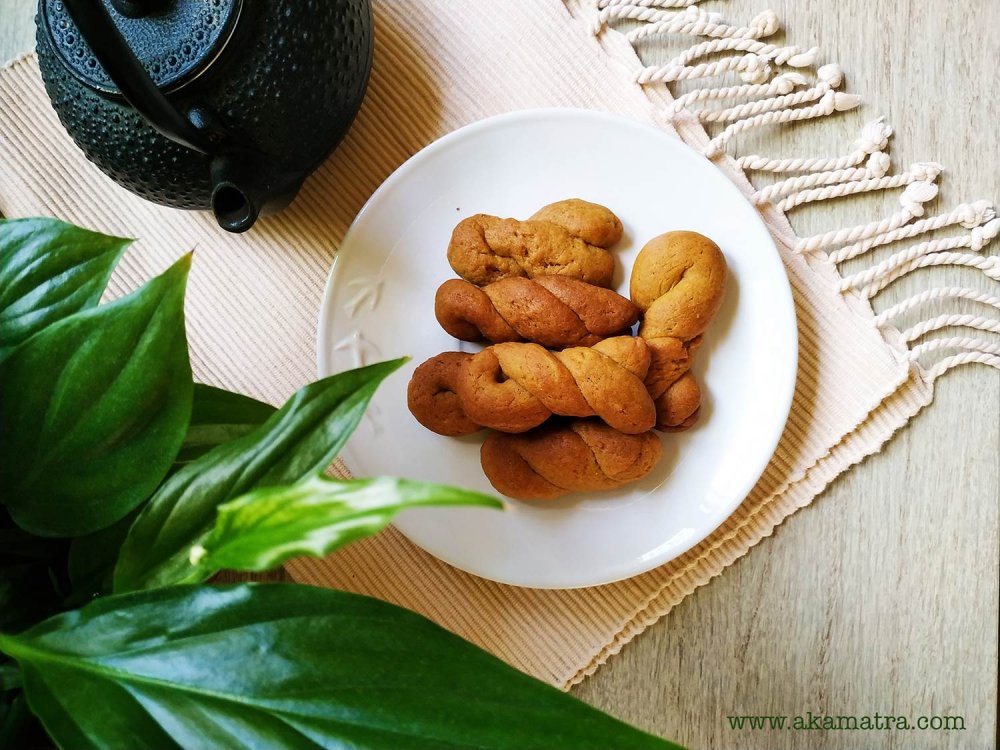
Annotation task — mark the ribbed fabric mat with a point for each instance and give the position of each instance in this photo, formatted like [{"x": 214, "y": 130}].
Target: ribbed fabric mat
[{"x": 253, "y": 300}]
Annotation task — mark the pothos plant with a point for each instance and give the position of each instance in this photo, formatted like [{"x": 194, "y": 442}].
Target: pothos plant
[{"x": 125, "y": 486}]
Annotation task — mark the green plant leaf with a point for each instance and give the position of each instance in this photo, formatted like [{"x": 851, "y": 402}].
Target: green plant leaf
[
  {"x": 262, "y": 529},
  {"x": 287, "y": 666},
  {"x": 48, "y": 271},
  {"x": 218, "y": 416},
  {"x": 102, "y": 403},
  {"x": 300, "y": 439}
]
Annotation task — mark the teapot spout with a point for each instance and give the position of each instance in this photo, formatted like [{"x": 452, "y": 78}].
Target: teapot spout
[
  {"x": 234, "y": 207},
  {"x": 243, "y": 189},
  {"x": 237, "y": 195}
]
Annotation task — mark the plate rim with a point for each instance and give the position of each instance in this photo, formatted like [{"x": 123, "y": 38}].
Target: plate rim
[{"x": 785, "y": 399}]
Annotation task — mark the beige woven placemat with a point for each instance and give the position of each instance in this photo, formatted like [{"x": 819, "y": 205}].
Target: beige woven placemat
[{"x": 253, "y": 299}]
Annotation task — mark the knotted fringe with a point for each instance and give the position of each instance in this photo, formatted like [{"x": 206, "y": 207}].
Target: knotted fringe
[{"x": 778, "y": 86}]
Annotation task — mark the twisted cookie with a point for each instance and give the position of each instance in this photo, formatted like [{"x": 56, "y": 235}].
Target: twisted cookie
[
  {"x": 677, "y": 282},
  {"x": 554, "y": 311},
  {"x": 514, "y": 387},
  {"x": 554, "y": 460},
  {"x": 432, "y": 399},
  {"x": 591, "y": 222},
  {"x": 677, "y": 408},
  {"x": 565, "y": 239}
]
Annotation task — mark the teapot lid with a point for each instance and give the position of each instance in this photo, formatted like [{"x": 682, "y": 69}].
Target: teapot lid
[{"x": 175, "y": 40}]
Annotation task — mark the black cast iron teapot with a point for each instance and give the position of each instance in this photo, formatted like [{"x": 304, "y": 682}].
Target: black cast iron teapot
[{"x": 225, "y": 105}]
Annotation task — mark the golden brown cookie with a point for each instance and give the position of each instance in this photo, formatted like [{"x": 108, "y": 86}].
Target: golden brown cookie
[
  {"x": 554, "y": 311},
  {"x": 670, "y": 359},
  {"x": 557, "y": 459},
  {"x": 591, "y": 222},
  {"x": 677, "y": 408},
  {"x": 678, "y": 282},
  {"x": 514, "y": 387},
  {"x": 432, "y": 399},
  {"x": 484, "y": 248}
]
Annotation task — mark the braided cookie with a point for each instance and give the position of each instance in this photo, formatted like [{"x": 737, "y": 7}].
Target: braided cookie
[
  {"x": 432, "y": 399},
  {"x": 564, "y": 239},
  {"x": 514, "y": 387},
  {"x": 591, "y": 222},
  {"x": 677, "y": 282},
  {"x": 554, "y": 311},
  {"x": 677, "y": 409},
  {"x": 557, "y": 459}
]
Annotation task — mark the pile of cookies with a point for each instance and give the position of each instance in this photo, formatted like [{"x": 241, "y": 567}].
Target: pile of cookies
[{"x": 570, "y": 396}]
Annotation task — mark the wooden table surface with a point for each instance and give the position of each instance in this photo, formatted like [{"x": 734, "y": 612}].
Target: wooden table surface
[{"x": 882, "y": 596}]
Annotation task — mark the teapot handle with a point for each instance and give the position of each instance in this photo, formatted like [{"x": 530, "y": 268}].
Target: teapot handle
[{"x": 119, "y": 62}]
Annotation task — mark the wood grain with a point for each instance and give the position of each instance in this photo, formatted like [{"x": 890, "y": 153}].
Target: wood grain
[{"x": 882, "y": 595}]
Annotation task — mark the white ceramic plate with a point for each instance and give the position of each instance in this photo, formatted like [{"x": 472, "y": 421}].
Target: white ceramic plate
[{"x": 379, "y": 305}]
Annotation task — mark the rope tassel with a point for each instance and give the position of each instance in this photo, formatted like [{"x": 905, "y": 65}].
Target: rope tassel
[
  {"x": 912, "y": 199},
  {"x": 830, "y": 78},
  {"x": 793, "y": 56},
  {"x": 920, "y": 189},
  {"x": 874, "y": 139},
  {"x": 920, "y": 176},
  {"x": 699, "y": 23},
  {"x": 833, "y": 101},
  {"x": 911, "y": 258},
  {"x": 966, "y": 358},
  {"x": 947, "y": 292},
  {"x": 989, "y": 266},
  {"x": 646, "y": 14},
  {"x": 781, "y": 85},
  {"x": 955, "y": 342},
  {"x": 977, "y": 322},
  {"x": 753, "y": 67},
  {"x": 601, "y": 4},
  {"x": 968, "y": 215},
  {"x": 878, "y": 165}
]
